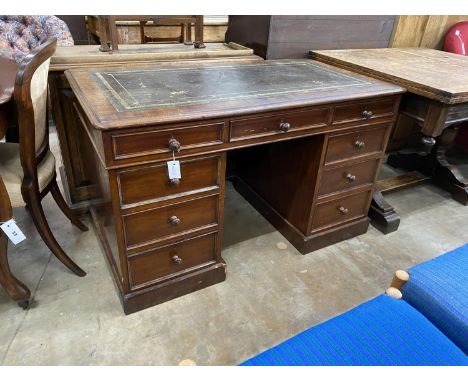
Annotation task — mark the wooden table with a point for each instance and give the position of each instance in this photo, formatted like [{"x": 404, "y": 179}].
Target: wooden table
[
  {"x": 7, "y": 85},
  {"x": 326, "y": 130},
  {"x": 437, "y": 100},
  {"x": 79, "y": 177}
]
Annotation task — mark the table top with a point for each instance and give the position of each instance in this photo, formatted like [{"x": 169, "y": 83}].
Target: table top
[
  {"x": 430, "y": 73},
  {"x": 67, "y": 57},
  {"x": 126, "y": 96}
]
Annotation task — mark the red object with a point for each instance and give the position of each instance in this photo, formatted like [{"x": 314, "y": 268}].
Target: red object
[{"x": 456, "y": 41}]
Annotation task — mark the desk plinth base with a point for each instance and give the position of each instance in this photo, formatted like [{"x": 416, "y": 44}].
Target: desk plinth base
[
  {"x": 177, "y": 287},
  {"x": 304, "y": 244},
  {"x": 134, "y": 301}
]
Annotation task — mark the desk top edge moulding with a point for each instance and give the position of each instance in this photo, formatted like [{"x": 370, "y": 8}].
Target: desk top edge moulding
[{"x": 163, "y": 236}]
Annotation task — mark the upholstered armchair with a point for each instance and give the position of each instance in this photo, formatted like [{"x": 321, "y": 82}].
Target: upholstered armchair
[{"x": 20, "y": 34}]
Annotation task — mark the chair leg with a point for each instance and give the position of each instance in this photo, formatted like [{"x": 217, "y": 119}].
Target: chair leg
[
  {"x": 57, "y": 195},
  {"x": 15, "y": 288},
  {"x": 40, "y": 221}
]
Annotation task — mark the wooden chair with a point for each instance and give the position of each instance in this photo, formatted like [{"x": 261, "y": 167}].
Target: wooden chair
[
  {"x": 28, "y": 168},
  {"x": 109, "y": 36}
]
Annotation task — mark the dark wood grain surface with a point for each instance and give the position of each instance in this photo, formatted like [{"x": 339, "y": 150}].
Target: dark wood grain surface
[
  {"x": 154, "y": 95},
  {"x": 430, "y": 73}
]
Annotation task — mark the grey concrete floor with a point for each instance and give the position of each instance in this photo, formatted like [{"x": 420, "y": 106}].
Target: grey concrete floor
[{"x": 270, "y": 293}]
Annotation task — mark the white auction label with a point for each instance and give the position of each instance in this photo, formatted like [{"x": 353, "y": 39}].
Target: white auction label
[
  {"x": 173, "y": 168},
  {"x": 13, "y": 232}
]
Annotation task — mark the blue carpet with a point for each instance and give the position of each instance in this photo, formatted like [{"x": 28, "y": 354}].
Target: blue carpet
[
  {"x": 438, "y": 288},
  {"x": 382, "y": 331}
]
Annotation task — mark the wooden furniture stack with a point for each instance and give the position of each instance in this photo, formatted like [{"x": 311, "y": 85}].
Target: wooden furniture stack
[{"x": 163, "y": 237}]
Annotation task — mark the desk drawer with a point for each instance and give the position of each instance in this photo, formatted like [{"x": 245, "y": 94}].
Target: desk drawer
[
  {"x": 151, "y": 225},
  {"x": 357, "y": 143},
  {"x": 161, "y": 141},
  {"x": 364, "y": 111},
  {"x": 172, "y": 259},
  {"x": 345, "y": 177},
  {"x": 278, "y": 124},
  {"x": 152, "y": 182},
  {"x": 341, "y": 210}
]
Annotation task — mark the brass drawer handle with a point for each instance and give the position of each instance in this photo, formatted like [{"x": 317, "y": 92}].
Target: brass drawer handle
[
  {"x": 367, "y": 114},
  {"x": 174, "y": 145},
  {"x": 174, "y": 220},
  {"x": 343, "y": 210},
  {"x": 174, "y": 182},
  {"x": 284, "y": 126},
  {"x": 351, "y": 178},
  {"x": 176, "y": 260},
  {"x": 359, "y": 144}
]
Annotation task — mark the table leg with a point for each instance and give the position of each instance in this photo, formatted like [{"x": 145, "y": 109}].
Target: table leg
[
  {"x": 383, "y": 216},
  {"x": 436, "y": 166},
  {"x": 199, "y": 42}
]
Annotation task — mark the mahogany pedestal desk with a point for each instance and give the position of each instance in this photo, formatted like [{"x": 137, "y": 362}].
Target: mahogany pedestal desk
[
  {"x": 437, "y": 100},
  {"x": 79, "y": 178},
  {"x": 326, "y": 131}
]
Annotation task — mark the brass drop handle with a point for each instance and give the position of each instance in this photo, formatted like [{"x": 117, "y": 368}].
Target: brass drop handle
[
  {"x": 176, "y": 260},
  {"x": 174, "y": 182},
  {"x": 174, "y": 145},
  {"x": 367, "y": 114},
  {"x": 351, "y": 178},
  {"x": 344, "y": 210},
  {"x": 285, "y": 126},
  {"x": 174, "y": 220},
  {"x": 359, "y": 144}
]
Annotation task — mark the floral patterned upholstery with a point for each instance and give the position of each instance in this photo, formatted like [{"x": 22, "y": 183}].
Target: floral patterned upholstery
[{"x": 20, "y": 34}]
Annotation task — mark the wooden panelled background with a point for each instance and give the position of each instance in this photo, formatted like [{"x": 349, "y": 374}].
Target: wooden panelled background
[{"x": 423, "y": 31}]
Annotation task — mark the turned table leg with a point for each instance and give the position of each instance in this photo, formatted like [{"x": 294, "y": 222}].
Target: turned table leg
[
  {"x": 444, "y": 174},
  {"x": 435, "y": 165}
]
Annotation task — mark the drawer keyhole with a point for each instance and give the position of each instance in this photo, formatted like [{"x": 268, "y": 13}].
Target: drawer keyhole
[
  {"x": 359, "y": 144},
  {"x": 176, "y": 260},
  {"x": 351, "y": 178},
  {"x": 174, "y": 220},
  {"x": 367, "y": 114},
  {"x": 344, "y": 210}
]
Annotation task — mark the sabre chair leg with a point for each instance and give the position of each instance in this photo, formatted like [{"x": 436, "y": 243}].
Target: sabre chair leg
[
  {"x": 40, "y": 221},
  {"x": 57, "y": 195},
  {"x": 14, "y": 288}
]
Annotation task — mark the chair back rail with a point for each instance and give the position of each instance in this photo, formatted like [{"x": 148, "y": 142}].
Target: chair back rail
[{"x": 30, "y": 95}]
